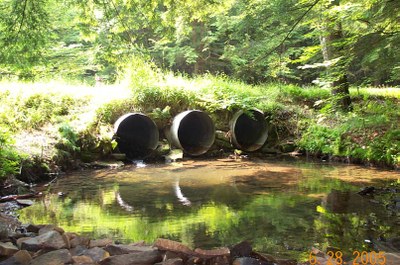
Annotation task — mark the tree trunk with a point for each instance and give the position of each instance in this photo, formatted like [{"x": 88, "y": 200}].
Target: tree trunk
[{"x": 332, "y": 49}]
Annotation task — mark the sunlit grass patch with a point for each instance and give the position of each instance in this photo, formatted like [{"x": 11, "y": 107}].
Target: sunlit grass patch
[{"x": 392, "y": 92}]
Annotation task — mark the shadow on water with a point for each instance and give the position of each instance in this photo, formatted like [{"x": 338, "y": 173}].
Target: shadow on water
[{"x": 282, "y": 208}]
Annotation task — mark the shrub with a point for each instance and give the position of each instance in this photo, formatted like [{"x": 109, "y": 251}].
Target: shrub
[{"x": 9, "y": 158}]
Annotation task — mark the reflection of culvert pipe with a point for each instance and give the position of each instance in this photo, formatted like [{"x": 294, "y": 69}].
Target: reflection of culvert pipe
[
  {"x": 193, "y": 131},
  {"x": 136, "y": 135},
  {"x": 178, "y": 193},
  {"x": 249, "y": 132}
]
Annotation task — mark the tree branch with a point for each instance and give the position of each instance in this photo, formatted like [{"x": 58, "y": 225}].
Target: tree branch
[
  {"x": 22, "y": 19},
  {"x": 288, "y": 34}
]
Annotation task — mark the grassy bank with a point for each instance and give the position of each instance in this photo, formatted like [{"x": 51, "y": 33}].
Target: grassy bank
[{"x": 54, "y": 124}]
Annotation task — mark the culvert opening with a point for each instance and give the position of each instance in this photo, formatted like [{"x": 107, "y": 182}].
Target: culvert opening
[
  {"x": 194, "y": 132},
  {"x": 136, "y": 135},
  {"x": 249, "y": 132}
]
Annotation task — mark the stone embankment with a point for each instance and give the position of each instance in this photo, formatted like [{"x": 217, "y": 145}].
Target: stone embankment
[{"x": 50, "y": 245}]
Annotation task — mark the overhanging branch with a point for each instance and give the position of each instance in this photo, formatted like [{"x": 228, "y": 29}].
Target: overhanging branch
[{"x": 263, "y": 56}]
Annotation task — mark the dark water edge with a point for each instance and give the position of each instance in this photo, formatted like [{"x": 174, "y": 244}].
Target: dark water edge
[{"x": 282, "y": 207}]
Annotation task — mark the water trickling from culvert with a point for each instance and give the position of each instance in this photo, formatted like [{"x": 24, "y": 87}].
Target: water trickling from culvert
[{"x": 283, "y": 208}]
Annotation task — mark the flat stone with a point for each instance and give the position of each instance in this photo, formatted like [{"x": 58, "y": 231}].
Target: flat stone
[
  {"x": 213, "y": 252},
  {"x": 56, "y": 257},
  {"x": 7, "y": 249},
  {"x": 51, "y": 240},
  {"x": 25, "y": 202},
  {"x": 176, "y": 261},
  {"x": 243, "y": 249},
  {"x": 79, "y": 241},
  {"x": 166, "y": 244},
  {"x": 114, "y": 249},
  {"x": 47, "y": 228},
  {"x": 82, "y": 260},
  {"x": 250, "y": 261},
  {"x": 96, "y": 253},
  {"x": 23, "y": 257},
  {"x": 141, "y": 258},
  {"x": 100, "y": 242}
]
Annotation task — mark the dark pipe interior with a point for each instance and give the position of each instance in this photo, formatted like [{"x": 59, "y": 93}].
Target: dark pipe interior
[
  {"x": 137, "y": 136},
  {"x": 196, "y": 133},
  {"x": 248, "y": 129}
]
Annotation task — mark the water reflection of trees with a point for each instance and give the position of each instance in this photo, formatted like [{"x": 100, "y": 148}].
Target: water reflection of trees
[
  {"x": 274, "y": 210},
  {"x": 351, "y": 222}
]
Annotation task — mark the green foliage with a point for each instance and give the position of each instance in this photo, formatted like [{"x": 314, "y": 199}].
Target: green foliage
[
  {"x": 25, "y": 35},
  {"x": 96, "y": 142},
  {"x": 111, "y": 111},
  {"x": 370, "y": 134},
  {"x": 36, "y": 110},
  {"x": 10, "y": 160},
  {"x": 67, "y": 147},
  {"x": 150, "y": 98},
  {"x": 320, "y": 139}
]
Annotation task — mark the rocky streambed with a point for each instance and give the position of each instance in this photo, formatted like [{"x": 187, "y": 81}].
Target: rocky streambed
[{"x": 50, "y": 245}]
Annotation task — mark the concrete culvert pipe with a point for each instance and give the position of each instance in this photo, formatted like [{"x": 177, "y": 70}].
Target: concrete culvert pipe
[
  {"x": 193, "y": 131},
  {"x": 249, "y": 131},
  {"x": 136, "y": 135}
]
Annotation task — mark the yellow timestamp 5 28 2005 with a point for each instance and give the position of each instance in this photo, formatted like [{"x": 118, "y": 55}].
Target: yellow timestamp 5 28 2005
[{"x": 359, "y": 258}]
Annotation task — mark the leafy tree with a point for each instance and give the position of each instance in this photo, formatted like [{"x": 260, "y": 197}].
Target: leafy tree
[{"x": 25, "y": 28}]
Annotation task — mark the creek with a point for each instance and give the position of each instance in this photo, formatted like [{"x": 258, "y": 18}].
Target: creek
[{"x": 281, "y": 207}]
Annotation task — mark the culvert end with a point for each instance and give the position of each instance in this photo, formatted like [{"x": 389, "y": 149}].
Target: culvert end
[
  {"x": 136, "y": 134},
  {"x": 249, "y": 130},
  {"x": 193, "y": 131}
]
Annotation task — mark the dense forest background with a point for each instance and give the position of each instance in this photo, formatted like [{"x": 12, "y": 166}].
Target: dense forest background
[{"x": 293, "y": 41}]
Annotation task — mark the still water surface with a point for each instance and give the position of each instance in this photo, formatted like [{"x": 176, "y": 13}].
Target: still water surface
[{"x": 283, "y": 208}]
